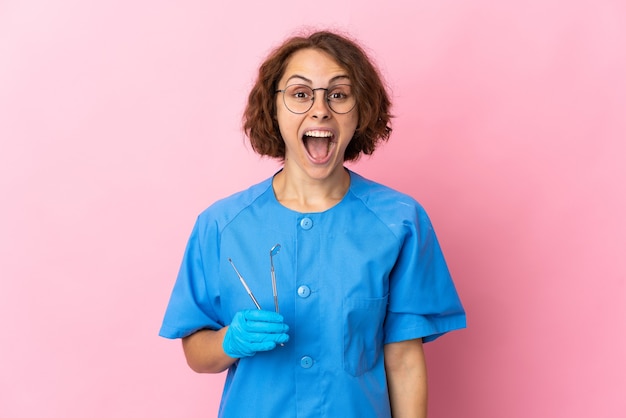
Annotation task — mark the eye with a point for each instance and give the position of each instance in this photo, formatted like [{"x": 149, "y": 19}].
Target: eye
[
  {"x": 299, "y": 93},
  {"x": 339, "y": 93}
]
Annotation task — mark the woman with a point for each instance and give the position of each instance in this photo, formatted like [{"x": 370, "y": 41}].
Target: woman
[{"x": 316, "y": 288}]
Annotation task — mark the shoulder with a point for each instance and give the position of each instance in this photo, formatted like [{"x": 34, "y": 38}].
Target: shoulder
[
  {"x": 383, "y": 199},
  {"x": 398, "y": 210},
  {"x": 225, "y": 210}
]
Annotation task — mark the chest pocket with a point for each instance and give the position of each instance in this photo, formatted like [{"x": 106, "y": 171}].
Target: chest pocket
[{"x": 363, "y": 334}]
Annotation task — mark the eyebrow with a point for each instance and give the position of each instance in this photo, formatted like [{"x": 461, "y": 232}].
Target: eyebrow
[{"x": 335, "y": 78}]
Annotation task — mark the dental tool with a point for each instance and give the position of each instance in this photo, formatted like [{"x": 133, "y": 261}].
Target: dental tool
[
  {"x": 245, "y": 285},
  {"x": 273, "y": 251}
]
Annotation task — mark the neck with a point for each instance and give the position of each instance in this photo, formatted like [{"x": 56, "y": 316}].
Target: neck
[{"x": 306, "y": 194}]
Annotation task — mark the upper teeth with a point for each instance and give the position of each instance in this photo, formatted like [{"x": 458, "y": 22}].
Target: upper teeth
[{"x": 319, "y": 134}]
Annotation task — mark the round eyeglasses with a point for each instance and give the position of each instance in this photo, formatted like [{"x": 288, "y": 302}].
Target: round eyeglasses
[{"x": 299, "y": 98}]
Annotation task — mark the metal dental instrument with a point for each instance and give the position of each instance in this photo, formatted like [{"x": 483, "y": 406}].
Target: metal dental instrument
[
  {"x": 243, "y": 282},
  {"x": 273, "y": 251}
]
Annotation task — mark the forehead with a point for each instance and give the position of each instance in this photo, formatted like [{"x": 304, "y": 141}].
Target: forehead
[{"x": 312, "y": 65}]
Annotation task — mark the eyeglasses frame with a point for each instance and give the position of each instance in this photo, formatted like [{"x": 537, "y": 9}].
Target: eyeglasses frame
[{"x": 313, "y": 99}]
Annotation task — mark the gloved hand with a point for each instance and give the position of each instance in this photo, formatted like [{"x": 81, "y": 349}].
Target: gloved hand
[{"x": 252, "y": 331}]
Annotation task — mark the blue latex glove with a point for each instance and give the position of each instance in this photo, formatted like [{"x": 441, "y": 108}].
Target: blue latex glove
[{"x": 252, "y": 331}]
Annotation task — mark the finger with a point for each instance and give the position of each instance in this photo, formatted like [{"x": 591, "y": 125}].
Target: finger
[
  {"x": 263, "y": 346},
  {"x": 263, "y": 316},
  {"x": 282, "y": 338},
  {"x": 266, "y": 327},
  {"x": 256, "y": 338},
  {"x": 269, "y": 344}
]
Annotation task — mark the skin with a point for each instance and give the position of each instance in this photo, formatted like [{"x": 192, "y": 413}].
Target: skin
[
  {"x": 407, "y": 383},
  {"x": 309, "y": 184},
  {"x": 204, "y": 353}
]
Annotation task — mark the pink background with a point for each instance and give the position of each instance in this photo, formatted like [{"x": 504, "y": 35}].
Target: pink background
[{"x": 120, "y": 121}]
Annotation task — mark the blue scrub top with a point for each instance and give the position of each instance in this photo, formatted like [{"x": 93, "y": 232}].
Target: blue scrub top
[{"x": 366, "y": 272}]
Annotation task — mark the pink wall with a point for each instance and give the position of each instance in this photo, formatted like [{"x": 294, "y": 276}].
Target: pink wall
[{"x": 119, "y": 122}]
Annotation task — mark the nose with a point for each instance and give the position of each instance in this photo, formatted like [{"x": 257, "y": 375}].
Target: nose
[{"x": 320, "y": 108}]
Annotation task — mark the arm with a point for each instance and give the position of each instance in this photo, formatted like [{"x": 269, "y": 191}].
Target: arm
[
  {"x": 204, "y": 352},
  {"x": 405, "y": 366},
  {"x": 250, "y": 331}
]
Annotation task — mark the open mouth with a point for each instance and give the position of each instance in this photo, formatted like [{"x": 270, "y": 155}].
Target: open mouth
[{"x": 318, "y": 144}]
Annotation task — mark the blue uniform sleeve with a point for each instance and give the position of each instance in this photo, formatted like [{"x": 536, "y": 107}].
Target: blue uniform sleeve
[
  {"x": 423, "y": 301},
  {"x": 194, "y": 300}
]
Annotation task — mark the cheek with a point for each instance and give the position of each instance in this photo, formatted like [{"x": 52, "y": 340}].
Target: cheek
[
  {"x": 353, "y": 123},
  {"x": 287, "y": 126},
  {"x": 287, "y": 120}
]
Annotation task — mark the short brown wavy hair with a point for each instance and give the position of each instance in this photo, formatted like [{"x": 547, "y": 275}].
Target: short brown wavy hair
[{"x": 373, "y": 104}]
